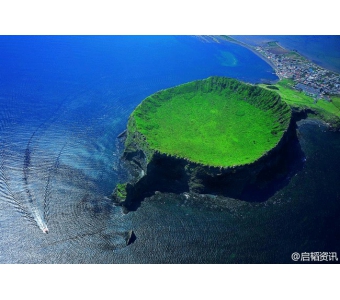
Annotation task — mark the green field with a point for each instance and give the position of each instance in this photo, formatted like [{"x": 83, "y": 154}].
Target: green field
[
  {"x": 328, "y": 111},
  {"x": 216, "y": 122},
  {"x": 336, "y": 103}
]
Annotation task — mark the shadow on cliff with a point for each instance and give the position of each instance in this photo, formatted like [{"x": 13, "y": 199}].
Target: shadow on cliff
[
  {"x": 168, "y": 175},
  {"x": 163, "y": 175},
  {"x": 291, "y": 161},
  {"x": 273, "y": 179},
  {"x": 275, "y": 175}
]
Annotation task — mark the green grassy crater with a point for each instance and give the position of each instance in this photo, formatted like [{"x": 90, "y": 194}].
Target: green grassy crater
[{"x": 217, "y": 122}]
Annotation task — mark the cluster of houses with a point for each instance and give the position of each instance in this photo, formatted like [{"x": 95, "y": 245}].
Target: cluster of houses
[
  {"x": 309, "y": 77},
  {"x": 316, "y": 93}
]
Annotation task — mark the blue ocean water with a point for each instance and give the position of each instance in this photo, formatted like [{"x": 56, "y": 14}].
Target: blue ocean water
[
  {"x": 64, "y": 100},
  {"x": 323, "y": 50}
]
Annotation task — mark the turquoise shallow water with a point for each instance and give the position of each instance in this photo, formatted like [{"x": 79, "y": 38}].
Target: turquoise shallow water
[{"x": 64, "y": 100}]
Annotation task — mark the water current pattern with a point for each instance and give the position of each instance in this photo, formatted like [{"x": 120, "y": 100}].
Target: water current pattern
[{"x": 64, "y": 101}]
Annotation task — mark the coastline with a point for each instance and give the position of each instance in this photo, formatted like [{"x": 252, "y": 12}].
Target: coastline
[
  {"x": 153, "y": 168},
  {"x": 318, "y": 56},
  {"x": 325, "y": 111}
]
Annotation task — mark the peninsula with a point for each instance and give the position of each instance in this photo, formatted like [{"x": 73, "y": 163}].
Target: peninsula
[
  {"x": 207, "y": 136},
  {"x": 304, "y": 85}
]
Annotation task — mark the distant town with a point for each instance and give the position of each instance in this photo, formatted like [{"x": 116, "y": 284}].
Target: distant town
[{"x": 308, "y": 77}]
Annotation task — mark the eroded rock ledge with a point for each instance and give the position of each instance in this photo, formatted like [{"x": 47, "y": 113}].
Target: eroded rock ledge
[{"x": 152, "y": 170}]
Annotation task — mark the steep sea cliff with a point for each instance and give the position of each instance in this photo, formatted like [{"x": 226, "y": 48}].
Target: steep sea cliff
[{"x": 153, "y": 171}]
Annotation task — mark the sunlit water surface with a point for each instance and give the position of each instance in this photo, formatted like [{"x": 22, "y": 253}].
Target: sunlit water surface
[{"x": 64, "y": 100}]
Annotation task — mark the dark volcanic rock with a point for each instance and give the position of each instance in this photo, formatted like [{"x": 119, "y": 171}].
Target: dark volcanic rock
[
  {"x": 153, "y": 171},
  {"x": 130, "y": 237},
  {"x": 168, "y": 174}
]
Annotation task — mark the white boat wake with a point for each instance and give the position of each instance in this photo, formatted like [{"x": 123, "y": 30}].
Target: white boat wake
[{"x": 40, "y": 222}]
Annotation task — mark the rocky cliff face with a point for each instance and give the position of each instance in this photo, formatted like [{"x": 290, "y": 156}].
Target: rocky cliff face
[
  {"x": 153, "y": 171},
  {"x": 165, "y": 173}
]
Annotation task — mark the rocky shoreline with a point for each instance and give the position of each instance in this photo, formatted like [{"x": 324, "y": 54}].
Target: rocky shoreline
[
  {"x": 154, "y": 172},
  {"x": 168, "y": 174}
]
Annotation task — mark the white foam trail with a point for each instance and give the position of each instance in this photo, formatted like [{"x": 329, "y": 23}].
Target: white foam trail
[{"x": 40, "y": 222}]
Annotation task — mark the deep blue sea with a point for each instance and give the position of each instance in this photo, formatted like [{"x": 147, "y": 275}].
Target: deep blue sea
[{"x": 64, "y": 100}]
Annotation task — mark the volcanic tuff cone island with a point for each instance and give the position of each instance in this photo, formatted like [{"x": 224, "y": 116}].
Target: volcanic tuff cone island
[{"x": 215, "y": 135}]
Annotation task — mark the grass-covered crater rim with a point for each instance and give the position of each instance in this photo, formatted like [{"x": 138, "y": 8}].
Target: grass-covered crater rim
[{"x": 218, "y": 122}]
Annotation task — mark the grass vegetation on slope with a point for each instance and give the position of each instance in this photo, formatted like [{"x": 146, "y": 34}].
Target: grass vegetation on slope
[
  {"x": 328, "y": 111},
  {"x": 217, "y": 121}
]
